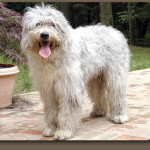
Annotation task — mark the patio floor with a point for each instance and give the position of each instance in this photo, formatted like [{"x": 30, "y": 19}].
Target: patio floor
[{"x": 24, "y": 119}]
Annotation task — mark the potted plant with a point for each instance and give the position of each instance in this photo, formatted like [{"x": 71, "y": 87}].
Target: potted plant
[{"x": 7, "y": 82}]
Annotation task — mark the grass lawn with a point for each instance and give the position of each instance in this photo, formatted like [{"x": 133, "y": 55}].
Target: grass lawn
[{"x": 140, "y": 60}]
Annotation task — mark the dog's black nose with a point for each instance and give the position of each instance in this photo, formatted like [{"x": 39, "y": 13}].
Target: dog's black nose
[{"x": 44, "y": 35}]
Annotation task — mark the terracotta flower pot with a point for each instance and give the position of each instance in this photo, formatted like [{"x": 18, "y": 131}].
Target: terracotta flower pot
[{"x": 7, "y": 82}]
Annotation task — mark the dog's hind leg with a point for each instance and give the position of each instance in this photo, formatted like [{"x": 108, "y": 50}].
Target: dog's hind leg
[
  {"x": 96, "y": 91},
  {"x": 116, "y": 94}
]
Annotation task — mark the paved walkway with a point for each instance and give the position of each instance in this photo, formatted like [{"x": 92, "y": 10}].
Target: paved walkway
[{"x": 24, "y": 119}]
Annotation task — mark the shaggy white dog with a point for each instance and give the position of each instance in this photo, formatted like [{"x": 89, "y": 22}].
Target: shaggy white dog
[{"x": 63, "y": 61}]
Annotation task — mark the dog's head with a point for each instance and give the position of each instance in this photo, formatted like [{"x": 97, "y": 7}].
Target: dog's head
[{"x": 44, "y": 30}]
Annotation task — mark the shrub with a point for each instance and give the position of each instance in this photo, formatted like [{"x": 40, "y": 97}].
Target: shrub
[{"x": 10, "y": 34}]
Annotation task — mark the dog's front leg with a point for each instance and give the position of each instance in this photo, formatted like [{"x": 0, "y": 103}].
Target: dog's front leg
[
  {"x": 68, "y": 120},
  {"x": 69, "y": 106},
  {"x": 50, "y": 109}
]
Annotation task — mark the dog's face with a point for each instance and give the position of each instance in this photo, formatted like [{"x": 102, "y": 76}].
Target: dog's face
[
  {"x": 45, "y": 38},
  {"x": 44, "y": 30}
]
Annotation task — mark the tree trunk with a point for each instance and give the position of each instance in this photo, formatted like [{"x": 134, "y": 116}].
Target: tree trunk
[
  {"x": 65, "y": 8},
  {"x": 144, "y": 27},
  {"x": 138, "y": 29},
  {"x": 106, "y": 15},
  {"x": 131, "y": 26},
  {"x": 141, "y": 28},
  {"x": 89, "y": 17}
]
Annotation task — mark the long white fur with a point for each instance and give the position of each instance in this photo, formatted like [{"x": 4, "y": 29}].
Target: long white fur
[{"x": 96, "y": 57}]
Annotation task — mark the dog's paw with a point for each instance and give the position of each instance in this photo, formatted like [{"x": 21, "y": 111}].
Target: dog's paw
[
  {"x": 119, "y": 119},
  {"x": 97, "y": 114},
  {"x": 63, "y": 135},
  {"x": 48, "y": 132}
]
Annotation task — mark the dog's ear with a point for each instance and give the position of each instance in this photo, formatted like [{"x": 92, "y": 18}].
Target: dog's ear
[
  {"x": 29, "y": 20},
  {"x": 24, "y": 26},
  {"x": 24, "y": 44},
  {"x": 63, "y": 28},
  {"x": 58, "y": 28}
]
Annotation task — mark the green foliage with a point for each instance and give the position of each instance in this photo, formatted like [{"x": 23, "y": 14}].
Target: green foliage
[
  {"x": 123, "y": 17},
  {"x": 94, "y": 12},
  {"x": 81, "y": 10},
  {"x": 147, "y": 36},
  {"x": 56, "y": 4},
  {"x": 84, "y": 14},
  {"x": 139, "y": 14},
  {"x": 142, "y": 11},
  {"x": 137, "y": 11}
]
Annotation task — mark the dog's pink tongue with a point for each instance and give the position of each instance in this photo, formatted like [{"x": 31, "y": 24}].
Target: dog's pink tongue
[{"x": 45, "y": 51}]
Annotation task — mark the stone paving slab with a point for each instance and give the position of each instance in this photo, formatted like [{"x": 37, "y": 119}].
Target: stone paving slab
[{"x": 24, "y": 119}]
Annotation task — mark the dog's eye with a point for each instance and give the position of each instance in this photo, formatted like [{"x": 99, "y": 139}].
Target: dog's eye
[
  {"x": 37, "y": 24},
  {"x": 51, "y": 24}
]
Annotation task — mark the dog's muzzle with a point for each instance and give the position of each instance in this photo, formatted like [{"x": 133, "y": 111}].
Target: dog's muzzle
[{"x": 44, "y": 45}]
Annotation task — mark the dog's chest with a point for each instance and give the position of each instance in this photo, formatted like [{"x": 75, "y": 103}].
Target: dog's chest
[{"x": 45, "y": 76}]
